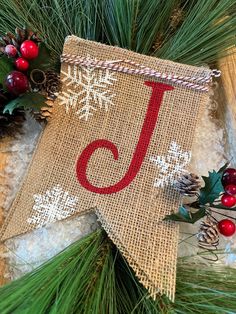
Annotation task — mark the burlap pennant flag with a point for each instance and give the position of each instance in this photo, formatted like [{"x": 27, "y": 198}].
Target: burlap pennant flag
[{"x": 121, "y": 133}]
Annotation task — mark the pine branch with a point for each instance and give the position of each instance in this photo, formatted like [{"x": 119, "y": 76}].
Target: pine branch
[
  {"x": 193, "y": 32},
  {"x": 91, "y": 276},
  {"x": 207, "y": 32}
]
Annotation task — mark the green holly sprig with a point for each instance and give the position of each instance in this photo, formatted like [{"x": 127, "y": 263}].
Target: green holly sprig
[
  {"x": 207, "y": 199},
  {"x": 33, "y": 96}
]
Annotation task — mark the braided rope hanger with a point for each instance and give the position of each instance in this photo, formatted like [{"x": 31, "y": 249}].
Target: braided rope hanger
[{"x": 115, "y": 65}]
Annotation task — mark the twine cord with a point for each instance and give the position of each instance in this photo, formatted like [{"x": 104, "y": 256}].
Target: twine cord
[{"x": 115, "y": 65}]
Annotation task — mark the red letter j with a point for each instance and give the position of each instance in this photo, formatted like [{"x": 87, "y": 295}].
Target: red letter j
[{"x": 148, "y": 127}]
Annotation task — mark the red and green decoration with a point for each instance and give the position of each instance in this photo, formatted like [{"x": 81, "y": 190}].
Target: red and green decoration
[
  {"x": 27, "y": 77},
  {"x": 203, "y": 203}
]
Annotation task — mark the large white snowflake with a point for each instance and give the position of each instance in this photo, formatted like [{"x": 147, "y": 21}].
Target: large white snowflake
[
  {"x": 89, "y": 89},
  {"x": 54, "y": 205},
  {"x": 171, "y": 166}
]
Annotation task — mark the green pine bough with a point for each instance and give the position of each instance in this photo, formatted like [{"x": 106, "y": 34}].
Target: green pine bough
[
  {"x": 194, "y": 32},
  {"x": 91, "y": 276}
]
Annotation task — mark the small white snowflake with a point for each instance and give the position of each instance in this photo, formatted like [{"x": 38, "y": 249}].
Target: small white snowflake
[
  {"x": 171, "y": 166},
  {"x": 54, "y": 205},
  {"x": 93, "y": 89}
]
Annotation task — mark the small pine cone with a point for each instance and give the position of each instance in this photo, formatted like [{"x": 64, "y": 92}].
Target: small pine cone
[
  {"x": 23, "y": 34},
  {"x": 5, "y": 40},
  {"x": 31, "y": 35},
  {"x": 13, "y": 40},
  {"x": 45, "y": 113},
  {"x": 188, "y": 184},
  {"x": 52, "y": 84},
  {"x": 18, "y": 38},
  {"x": 208, "y": 235},
  {"x": 158, "y": 42},
  {"x": 177, "y": 18},
  {"x": 20, "y": 35}
]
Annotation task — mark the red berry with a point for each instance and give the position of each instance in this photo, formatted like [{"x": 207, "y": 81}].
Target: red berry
[
  {"x": 29, "y": 49},
  {"x": 11, "y": 51},
  {"x": 228, "y": 200},
  {"x": 17, "y": 83},
  {"x": 226, "y": 227},
  {"x": 21, "y": 64},
  {"x": 230, "y": 189},
  {"x": 229, "y": 176}
]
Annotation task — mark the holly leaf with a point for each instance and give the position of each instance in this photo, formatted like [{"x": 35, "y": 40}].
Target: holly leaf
[
  {"x": 6, "y": 66},
  {"x": 213, "y": 186},
  {"x": 27, "y": 101},
  {"x": 184, "y": 215},
  {"x": 44, "y": 60}
]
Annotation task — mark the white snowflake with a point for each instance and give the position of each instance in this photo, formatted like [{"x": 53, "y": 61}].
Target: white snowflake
[
  {"x": 93, "y": 89},
  {"x": 54, "y": 205},
  {"x": 171, "y": 166}
]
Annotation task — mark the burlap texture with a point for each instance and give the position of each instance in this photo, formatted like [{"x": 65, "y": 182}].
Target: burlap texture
[{"x": 132, "y": 217}]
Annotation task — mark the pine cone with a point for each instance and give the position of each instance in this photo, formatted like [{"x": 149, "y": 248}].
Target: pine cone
[
  {"x": 18, "y": 38},
  {"x": 188, "y": 184},
  {"x": 45, "y": 113},
  {"x": 208, "y": 235},
  {"x": 177, "y": 17},
  {"x": 46, "y": 82},
  {"x": 52, "y": 85},
  {"x": 158, "y": 43}
]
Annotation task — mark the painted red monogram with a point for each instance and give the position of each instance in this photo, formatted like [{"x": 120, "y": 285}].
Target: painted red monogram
[{"x": 148, "y": 127}]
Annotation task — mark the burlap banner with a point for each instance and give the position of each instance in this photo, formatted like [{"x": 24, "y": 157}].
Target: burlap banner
[{"x": 121, "y": 132}]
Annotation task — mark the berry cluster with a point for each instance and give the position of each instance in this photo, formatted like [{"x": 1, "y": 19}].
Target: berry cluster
[
  {"x": 17, "y": 82},
  {"x": 228, "y": 199}
]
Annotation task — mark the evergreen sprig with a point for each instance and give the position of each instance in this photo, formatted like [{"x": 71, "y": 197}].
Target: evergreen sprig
[
  {"x": 91, "y": 276},
  {"x": 207, "y": 198},
  {"x": 206, "y": 33},
  {"x": 193, "y": 31}
]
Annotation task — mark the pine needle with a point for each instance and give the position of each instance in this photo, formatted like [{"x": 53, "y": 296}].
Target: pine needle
[
  {"x": 77, "y": 279},
  {"x": 205, "y": 289},
  {"x": 208, "y": 30},
  {"x": 91, "y": 276},
  {"x": 192, "y": 32}
]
